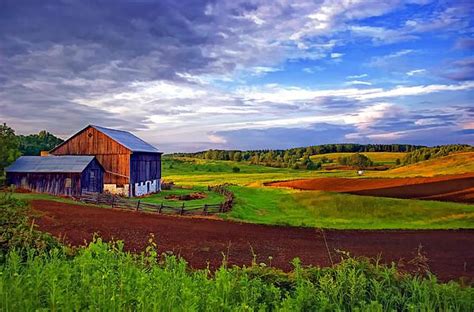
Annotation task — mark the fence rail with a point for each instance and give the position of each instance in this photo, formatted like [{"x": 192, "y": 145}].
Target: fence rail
[{"x": 115, "y": 201}]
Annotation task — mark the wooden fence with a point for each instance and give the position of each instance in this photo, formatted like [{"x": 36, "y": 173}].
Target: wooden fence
[{"x": 114, "y": 201}]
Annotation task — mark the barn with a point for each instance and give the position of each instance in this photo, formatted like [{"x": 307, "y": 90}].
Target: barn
[
  {"x": 132, "y": 166},
  {"x": 65, "y": 175}
]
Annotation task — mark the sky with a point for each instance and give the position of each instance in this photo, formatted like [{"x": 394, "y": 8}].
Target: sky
[{"x": 270, "y": 74}]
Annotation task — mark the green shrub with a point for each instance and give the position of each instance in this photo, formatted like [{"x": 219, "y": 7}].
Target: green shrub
[
  {"x": 104, "y": 277},
  {"x": 16, "y": 230},
  {"x": 235, "y": 169}
]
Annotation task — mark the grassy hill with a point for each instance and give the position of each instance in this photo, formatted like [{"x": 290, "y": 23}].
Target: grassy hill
[
  {"x": 382, "y": 158},
  {"x": 456, "y": 163}
]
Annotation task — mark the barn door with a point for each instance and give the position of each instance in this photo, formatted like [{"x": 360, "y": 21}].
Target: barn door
[{"x": 93, "y": 176}]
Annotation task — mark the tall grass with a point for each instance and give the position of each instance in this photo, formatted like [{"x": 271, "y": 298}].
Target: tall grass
[{"x": 103, "y": 277}]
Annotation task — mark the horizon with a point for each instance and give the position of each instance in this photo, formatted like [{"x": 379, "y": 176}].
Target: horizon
[{"x": 189, "y": 77}]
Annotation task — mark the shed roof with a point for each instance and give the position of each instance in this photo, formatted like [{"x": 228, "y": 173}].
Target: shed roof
[
  {"x": 127, "y": 139},
  {"x": 72, "y": 164}
]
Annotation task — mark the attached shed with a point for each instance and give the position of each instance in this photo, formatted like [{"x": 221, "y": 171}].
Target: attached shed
[
  {"x": 57, "y": 175},
  {"x": 132, "y": 166}
]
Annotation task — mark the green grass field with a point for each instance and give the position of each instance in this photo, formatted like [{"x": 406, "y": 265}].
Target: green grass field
[
  {"x": 259, "y": 204},
  {"x": 159, "y": 198},
  {"x": 345, "y": 211}
]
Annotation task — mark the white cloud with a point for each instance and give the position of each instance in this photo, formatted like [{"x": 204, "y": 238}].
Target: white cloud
[
  {"x": 359, "y": 82},
  {"x": 416, "y": 72},
  {"x": 357, "y": 76},
  {"x": 336, "y": 55}
]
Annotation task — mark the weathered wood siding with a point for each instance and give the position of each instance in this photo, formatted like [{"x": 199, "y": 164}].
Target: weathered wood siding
[
  {"x": 114, "y": 157},
  {"x": 51, "y": 183},
  {"x": 145, "y": 167},
  {"x": 92, "y": 178}
]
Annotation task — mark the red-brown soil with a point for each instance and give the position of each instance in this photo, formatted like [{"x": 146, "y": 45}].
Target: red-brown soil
[
  {"x": 457, "y": 188},
  {"x": 203, "y": 241}
]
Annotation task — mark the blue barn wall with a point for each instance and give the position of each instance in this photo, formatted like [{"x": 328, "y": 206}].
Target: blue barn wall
[
  {"x": 145, "y": 167},
  {"x": 95, "y": 184}
]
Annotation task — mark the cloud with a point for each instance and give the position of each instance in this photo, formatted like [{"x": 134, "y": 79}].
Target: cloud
[
  {"x": 176, "y": 71},
  {"x": 460, "y": 70},
  {"x": 359, "y": 82},
  {"x": 416, "y": 72},
  {"x": 357, "y": 76}
]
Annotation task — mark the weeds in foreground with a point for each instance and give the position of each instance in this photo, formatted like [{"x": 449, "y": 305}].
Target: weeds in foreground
[{"x": 103, "y": 276}]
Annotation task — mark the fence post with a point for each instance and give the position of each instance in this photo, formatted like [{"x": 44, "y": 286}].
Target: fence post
[
  {"x": 205, "y": 209},
  {"x": 182, "y": 209},
  {"x": 98, "y": 198},
  {"x": 112, "y": 202},
  {"x": 161, "y": 208},
  {"x": 138, "y": 205}
]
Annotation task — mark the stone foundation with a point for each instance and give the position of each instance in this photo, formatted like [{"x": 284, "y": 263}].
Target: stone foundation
[{"x": 117, "y": 190}]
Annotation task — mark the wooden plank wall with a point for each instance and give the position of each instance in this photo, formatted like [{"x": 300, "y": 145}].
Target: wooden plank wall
[
  {"x": 51, "y": 183},
  {"x": 86, "y": 183},
  {"x": 145, "y": 167},
  {"x": 114, "y": 157}
]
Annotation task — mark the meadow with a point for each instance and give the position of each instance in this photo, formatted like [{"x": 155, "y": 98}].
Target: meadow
[{"x": 259, "y": 204}]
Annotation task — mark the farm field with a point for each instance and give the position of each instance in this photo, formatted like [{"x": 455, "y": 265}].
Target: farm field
[
  {"x": 259, "y": 204},
  {"x": 202, "y": 240},
  {"x": 456, "y": 163}
]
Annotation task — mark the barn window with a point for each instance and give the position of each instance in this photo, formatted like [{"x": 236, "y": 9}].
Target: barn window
[
  {"x": 68, "y": 182},
  {"x": 89, "y": 135}
]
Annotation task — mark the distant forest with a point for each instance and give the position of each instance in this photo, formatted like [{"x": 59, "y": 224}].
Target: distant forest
[
  {"x": 296, "y": 158},
  {"x": 299, "y": 158}
]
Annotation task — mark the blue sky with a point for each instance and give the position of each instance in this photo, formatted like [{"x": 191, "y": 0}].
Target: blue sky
[{"x": 192, "y": 75}]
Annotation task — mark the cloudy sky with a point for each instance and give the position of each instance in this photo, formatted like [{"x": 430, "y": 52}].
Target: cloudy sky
[{"x": 192, "y": 75}]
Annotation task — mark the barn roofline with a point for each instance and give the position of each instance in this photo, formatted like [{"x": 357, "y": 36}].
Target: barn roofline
[{"x": 98, "y": 128}]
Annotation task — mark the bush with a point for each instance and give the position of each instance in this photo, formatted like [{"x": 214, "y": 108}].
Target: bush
[
  {"x": 16, "y": 230},
  {"x": 235, "y": 169},
  {"x": 103, "y": 277},
  {"x": 356, "y": 160}
]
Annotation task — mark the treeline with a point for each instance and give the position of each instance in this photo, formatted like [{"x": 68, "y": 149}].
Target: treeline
[
  {"x": 296, "y": 158},
  {"x": 13, "y": 146},
  {"x": 427, "y": 153}
]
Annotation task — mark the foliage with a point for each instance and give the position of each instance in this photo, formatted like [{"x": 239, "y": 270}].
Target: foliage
[
  {"x": 103, "y": 277},
  {"x": 294, "y": 157},
  {"x": 356, "y": 160},
  {"x": 33, "y": 144},
  {"x": 9, "y": 147},
  {"x": 434, "y": 152},
  {"x": 16, "y": 231},
  {"x": 379, "y": 158},
  {"x": 235, "y": 169}
]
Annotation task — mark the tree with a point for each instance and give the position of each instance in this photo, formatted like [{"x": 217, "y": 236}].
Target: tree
[
  {"x": 237, "y": 156},
  {"x": 33, "y": 144},
  {"x": 9, "y": 147}
]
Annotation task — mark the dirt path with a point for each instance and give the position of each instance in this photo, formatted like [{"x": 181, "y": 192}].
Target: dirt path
[
  {"x": 456, "y": 188},
  {"x": 202, "y": 241}
]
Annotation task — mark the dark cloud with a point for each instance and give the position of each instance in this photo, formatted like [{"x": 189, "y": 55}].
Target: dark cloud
[{"x": 280, "y": 138}]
